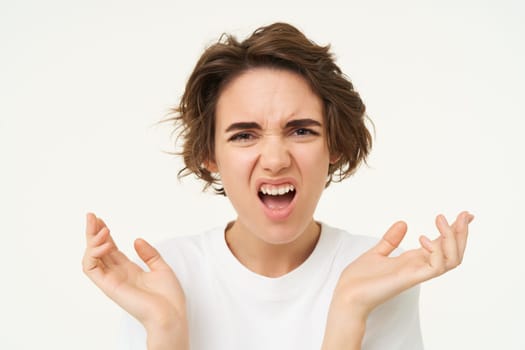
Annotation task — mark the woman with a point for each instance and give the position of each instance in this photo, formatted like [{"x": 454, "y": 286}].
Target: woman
[{"x": 270, "y": 122}]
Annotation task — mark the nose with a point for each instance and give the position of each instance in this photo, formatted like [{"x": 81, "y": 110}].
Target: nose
[{"x": 275, "y": 155}]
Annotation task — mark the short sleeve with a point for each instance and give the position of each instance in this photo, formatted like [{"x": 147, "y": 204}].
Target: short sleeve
[
  {"x": 395, "y": 324},
  {"x": 132, "y": 335}
]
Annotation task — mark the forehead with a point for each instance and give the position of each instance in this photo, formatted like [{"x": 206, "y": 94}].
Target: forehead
[{"x": 267, "y": 95}]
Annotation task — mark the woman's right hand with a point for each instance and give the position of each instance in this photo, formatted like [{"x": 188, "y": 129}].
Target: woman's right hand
[{"x": 155, "y": 298}]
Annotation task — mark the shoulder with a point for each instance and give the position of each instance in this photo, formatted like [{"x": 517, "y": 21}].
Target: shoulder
[
  {"x": 189, "y": 254},
  {"x": 187, "y": 245},
  {"x": 351, "y": 240},
  {"x": 351, "y": 245}
]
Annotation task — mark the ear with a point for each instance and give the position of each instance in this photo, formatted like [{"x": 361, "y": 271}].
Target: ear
[
  {"x": 211, "y": 166},
  {"x": 334, "y": 158}
]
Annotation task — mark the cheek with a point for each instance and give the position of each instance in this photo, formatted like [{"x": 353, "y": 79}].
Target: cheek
[
  {"x": 235, "y": 165},
  {"x": 313, "y": 160}
]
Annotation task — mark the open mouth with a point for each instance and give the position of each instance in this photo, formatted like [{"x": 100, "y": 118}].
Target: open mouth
[{"x": 276, "y": 197}]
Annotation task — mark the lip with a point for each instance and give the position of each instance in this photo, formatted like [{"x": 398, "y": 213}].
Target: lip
[{"x": 277, "y": 214}]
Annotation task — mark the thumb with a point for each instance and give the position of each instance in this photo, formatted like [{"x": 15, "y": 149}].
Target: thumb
[
  {"x": 391, "y": 239},
  {"x": 149, "y": 255}
]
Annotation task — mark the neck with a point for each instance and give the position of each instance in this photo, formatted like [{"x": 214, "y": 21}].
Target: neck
[{"x": 271, "y": 259}]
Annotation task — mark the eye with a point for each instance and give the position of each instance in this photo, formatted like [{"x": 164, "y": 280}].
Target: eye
[
  {"x": 304, "y": 132},
  {"x": 242, "y": 137}
]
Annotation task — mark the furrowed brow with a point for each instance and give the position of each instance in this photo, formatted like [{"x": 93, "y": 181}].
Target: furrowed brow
[
  {"x": 243, "y": 126},
  {"x": 301, "y": 123}
]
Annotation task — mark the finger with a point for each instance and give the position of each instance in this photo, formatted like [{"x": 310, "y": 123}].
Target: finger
[
  {"x": 436, "y": 259},
  {"x": 101, "y": 251},
  {"x": 94, "y": 269},
  {"x": 150, "y": 255},
  {"x": 391, "y": 239},
  {"x": 94, "y": 227},
  {"x": 91, "y": 225},
  {"x": 449, "y": 243},
  {"x": 470, "y": 217},
  {"x": 114, "y": 256},
  {"x": 89, "y": 262},
  {"x": 426, "y": 243},
  {"x": 92, "y": 264},
  {"x": 101, "y": 245},
  {"x": 432, "y": 263},
  {"x": 101, "y": 223},
  {"x": 462, "y": 232},
  {"x": 99, "y": 238}
]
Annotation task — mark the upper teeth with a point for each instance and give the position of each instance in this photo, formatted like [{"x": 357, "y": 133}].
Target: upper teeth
[{"x": 276, "y": 190}]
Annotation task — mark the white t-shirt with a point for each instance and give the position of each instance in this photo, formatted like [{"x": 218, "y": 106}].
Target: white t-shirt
[{"x": 230, "y": 307}]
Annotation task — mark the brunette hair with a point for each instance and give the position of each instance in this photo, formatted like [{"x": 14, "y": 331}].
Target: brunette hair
[{"x": 279, "y": 46}]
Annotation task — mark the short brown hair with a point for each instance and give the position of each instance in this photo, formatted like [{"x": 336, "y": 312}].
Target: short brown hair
[{"x": 280, "y": 46}]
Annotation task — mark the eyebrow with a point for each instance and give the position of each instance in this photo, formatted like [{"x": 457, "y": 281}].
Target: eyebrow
[{"x": 295, "y": 123}]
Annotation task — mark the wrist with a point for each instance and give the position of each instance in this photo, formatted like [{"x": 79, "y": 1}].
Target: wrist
[{"x": 346, "y": 323}]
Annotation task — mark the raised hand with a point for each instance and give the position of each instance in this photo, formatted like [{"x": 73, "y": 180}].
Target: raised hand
[
  {"x": 375, "y": 277},
  {"x": 155, "y": 298}
]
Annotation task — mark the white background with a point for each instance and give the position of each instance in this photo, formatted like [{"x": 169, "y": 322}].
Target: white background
[{"x": 82, "y": 84}]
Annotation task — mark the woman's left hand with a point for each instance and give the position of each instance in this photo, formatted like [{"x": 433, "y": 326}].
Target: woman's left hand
[{"x": 374, "y": 277}]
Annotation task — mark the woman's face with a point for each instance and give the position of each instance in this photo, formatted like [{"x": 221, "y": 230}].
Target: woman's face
[{"x": 271, "y": 152}]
